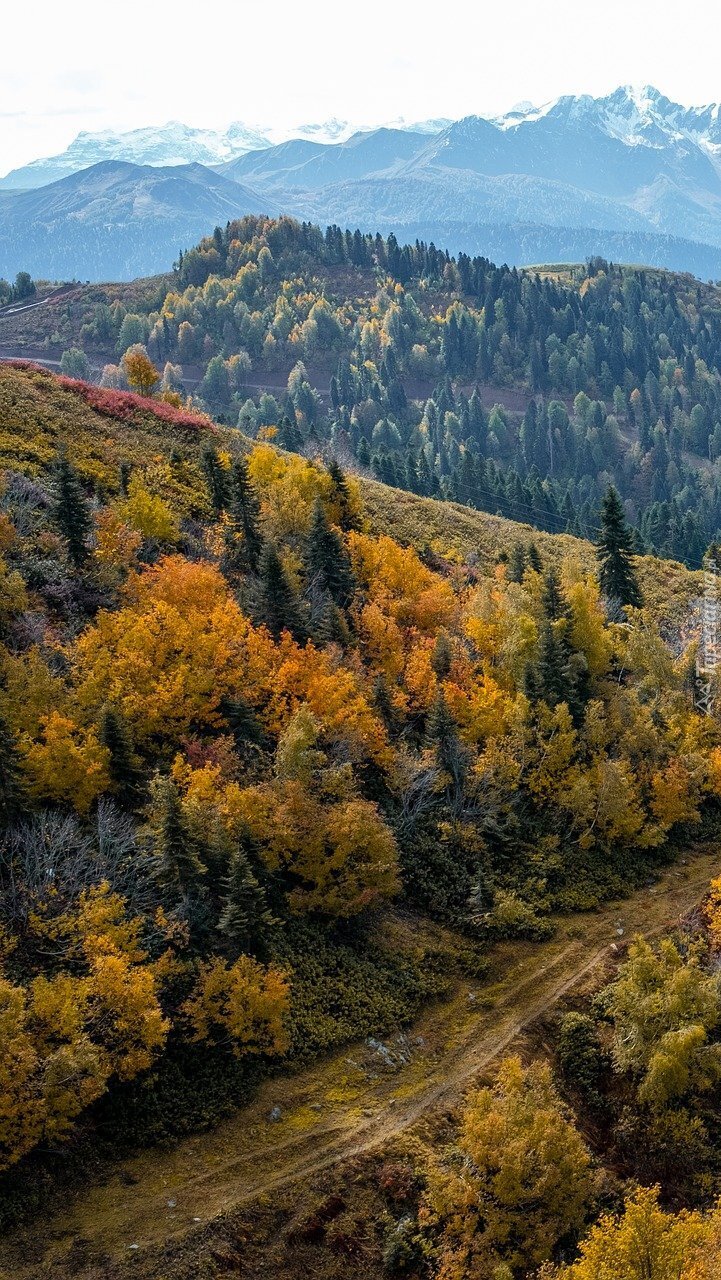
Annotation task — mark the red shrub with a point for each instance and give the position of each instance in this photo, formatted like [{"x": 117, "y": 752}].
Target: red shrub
[{"x": 124, "y": 406}]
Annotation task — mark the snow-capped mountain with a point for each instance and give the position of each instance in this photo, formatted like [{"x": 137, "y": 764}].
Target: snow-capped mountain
[
  {"x": 169, "y": 144},
  {"x": 632, "y": 176},
  {"x": 175, "y": 143},
  {"x": 635, "y": 116}
]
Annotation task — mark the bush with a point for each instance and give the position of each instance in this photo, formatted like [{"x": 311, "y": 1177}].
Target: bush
[{"x": 580, "y": 1057}]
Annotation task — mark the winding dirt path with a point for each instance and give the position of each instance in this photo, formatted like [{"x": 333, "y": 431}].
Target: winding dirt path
[{"x": 349, "y": 1103}]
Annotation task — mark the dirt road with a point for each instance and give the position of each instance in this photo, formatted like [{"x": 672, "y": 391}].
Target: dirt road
[{"x": 349, "y": 1103}]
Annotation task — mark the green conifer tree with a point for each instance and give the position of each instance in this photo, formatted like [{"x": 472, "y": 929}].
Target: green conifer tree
[
  {"x": 12, "y": 791},
  {"x": 534, "y": 558},
  {"x": 216, "y": 478},
  {"x": 180, "y": 869},
  {"x": 443, "y": 737},
  {"x": 70, "y": 510},
  {"x": 278, "y": 605},
  {"x": 124, "y": 769},
  {"x": 614, "y": 552},
  {"x": 245, "y": 514},
  {"x": 348, "y": 518},
  {"x": 442, "y": 655},
  {"x": 327, "y": 561},
  {"x": 245, "y": 917},
  {"x": 517, "y": 562}
]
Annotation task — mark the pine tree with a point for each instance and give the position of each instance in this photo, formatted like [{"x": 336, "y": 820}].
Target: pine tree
[
  {"x": 11, "y": 785},
  {"x": 71, "y": 510},
  {"x": 248, "y": 733},
  {"x": 279, "y": 608},
  {"x": 517, "y": 563},
  {"x": 442, "y": 655},
  {"x": 383, "y": 703},
  {"x": 614, "y": 550},
  {"x": 180, "y": 867},
  {"x": 327, "y": 561},
  {"x": 534, "y": 558},
  {"x": 552, "y": 670},
  {"x": 554, "y": 605},
  {"x": 124, "y": 769},
  {"x": 442, "y": 735},
  {"x": 245, "y": 917},
  {"x": 348, "y": 518},
  {"x": 216, "y": 478},
  {"x": 245, "y": 515}
]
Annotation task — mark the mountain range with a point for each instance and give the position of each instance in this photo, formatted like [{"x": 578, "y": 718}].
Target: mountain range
[{"x": 631, "y": 176}]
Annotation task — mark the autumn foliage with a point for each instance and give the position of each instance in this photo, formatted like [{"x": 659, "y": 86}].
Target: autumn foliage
[{"x": 236, "y": 712}]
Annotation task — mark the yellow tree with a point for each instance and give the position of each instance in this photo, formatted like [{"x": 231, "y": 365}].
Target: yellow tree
[
  {"x": 518, "y": 1182},
  {"x": 241, "y": 1004},
  {"x": 140, "y": 371},
  {"x": 663, "y": 1009},
  {"x": 644, "y": 1243}
]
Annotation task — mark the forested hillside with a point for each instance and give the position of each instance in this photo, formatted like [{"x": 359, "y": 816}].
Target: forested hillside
[
  {"x": 523, "y": 393},
  {"x": 250, "y": 704}
]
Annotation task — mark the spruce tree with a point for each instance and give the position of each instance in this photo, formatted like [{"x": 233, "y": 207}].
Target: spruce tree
[
  {"x": 517, "y": 563},
  {"x": 180, "y": 868},
  {"x": 442, "y": 655},
  {"x": 216, "y": 478},
  {"x": 245, "y": 514},
  {"x": 245, "y": 917},
  {"x": 554, "y": 605},
  {"x": 278, "y": 605},
  {"x": 12, "y": 791},
  {"x": 70, "y": 510},
  {"x": 442, "y": 734},
  {"x": 348, "y": 518},
  {"x": 327, "y": 561},
  {"x": 383, "y": 703},
  {"x": 124, "y": 769},
  {"x": 614, "y": 550},
  {"x": 552, "y": 670},
  {"x": 534, "y": 558},
  {"x": 247, "y": 730}
]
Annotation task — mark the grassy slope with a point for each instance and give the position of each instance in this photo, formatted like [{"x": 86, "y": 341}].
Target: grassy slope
[{"x": 39, "y": 412}]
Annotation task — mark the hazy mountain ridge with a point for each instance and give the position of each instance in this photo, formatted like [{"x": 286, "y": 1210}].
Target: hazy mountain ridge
[
  {"x": 631, "y": 174},
  {"x": 116, "y": 219}
]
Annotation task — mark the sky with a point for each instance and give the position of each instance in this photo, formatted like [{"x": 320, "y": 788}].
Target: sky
[{"x": 68, "y": 67}]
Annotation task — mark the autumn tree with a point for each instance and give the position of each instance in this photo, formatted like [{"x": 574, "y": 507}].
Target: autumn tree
[
  {"x": 664, "y": 1009},
  {"x": 140, "y": 371},
  {"x": 519, "y": 1181},
  {"x": 241, "y": 1005},
  {"x": 646, "y": 1243}
]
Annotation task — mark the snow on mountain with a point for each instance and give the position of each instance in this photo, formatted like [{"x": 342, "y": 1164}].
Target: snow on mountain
[{"x": 164, "y": 145}]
